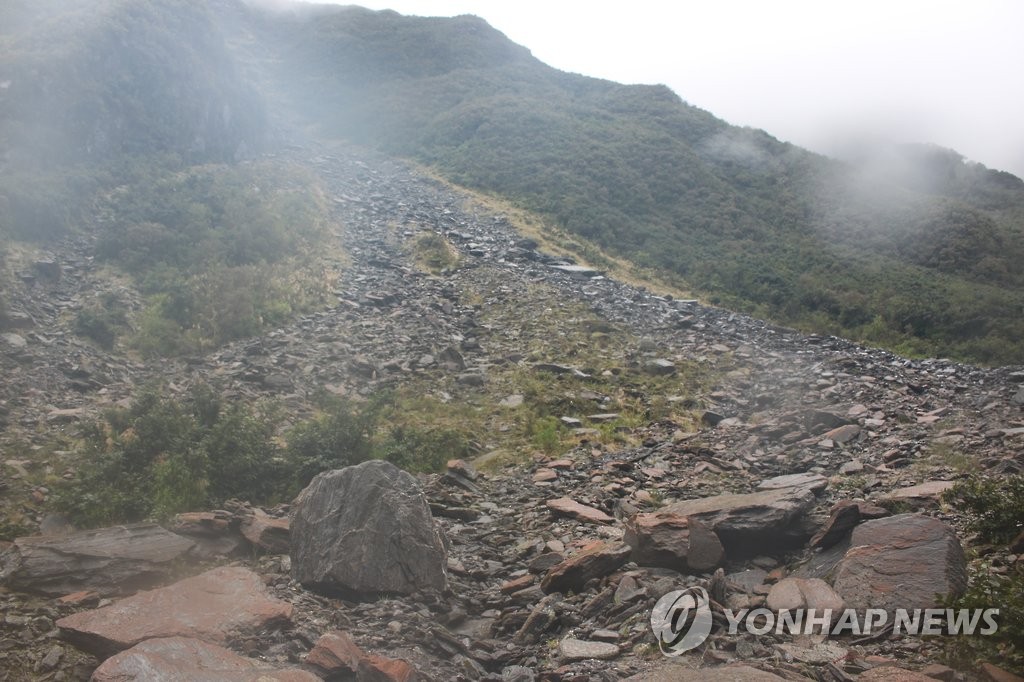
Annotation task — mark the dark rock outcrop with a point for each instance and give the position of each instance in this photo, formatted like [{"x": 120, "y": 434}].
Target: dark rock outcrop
[{"x": 366, "y": 530}]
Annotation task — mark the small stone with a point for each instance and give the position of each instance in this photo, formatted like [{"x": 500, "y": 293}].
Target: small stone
[
  {"x": 573, "y": 649},
  {"x": 581, "y": 512},
  {"x": 843, "y": 434}
]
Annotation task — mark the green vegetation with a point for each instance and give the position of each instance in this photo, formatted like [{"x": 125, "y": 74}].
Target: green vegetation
[
  {"x": 221, "y": 252},
  {"x": 163, "y": 455},
  {"x": 922, "y": 260},
  {"x": 995, "y": 511},
  {"x": 995, "y": 507},
  {"x": 433, "y": 253}
]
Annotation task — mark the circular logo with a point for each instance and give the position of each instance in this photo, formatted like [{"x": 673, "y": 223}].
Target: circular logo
[{"x": 681, "y": 620}]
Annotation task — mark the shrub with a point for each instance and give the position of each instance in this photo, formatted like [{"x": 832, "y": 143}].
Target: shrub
[
  {"x": 337, "y": 439},
  {"x": 995, "y": 508},
  {"x": 424, "y": 450}
]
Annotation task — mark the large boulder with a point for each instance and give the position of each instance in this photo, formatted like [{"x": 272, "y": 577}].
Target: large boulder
[
  {"x": 107, "y": 561},
  {"x": 906, "y": 561},
  {"x": 173, "y": 659},
  {"x": 752, "y": 523},
  {"x": 211, "y": 606},
  {"x": 366, "y": 530},
  {"x": 668, "y": 540}
]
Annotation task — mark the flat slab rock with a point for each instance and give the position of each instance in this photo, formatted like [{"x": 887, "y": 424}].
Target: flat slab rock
[
  {"x": 181, "y": 659},
  {"x": 901, "y": 561},
  {"x": 106, "y": 561},
  {"x": 684, "y": 673},
  {"x": 753, "y": 522},
  {"x": 210, "y": 606},
  {"x": 581, "y": 512},
  {"x": 366, "y": 529},
  {"x": 572, "y": 649}
]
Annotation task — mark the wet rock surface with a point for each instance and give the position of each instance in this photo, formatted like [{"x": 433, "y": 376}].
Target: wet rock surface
[{"x": 849, "y": 425}]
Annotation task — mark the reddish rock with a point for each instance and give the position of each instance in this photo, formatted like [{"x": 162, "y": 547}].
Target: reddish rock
[
  {"x": 180, "y": 658},
  {"x": 596, "y": 560},
  {"x": 581, "y": 512},
  {"x": 902, "y": 561},
  {"x": 510, "y": 586},
  {"x": 79, "y": 598},
  {"x": 335, "y": 654},
  {"x": 381, "y": 669},
  {"x": 843, "y": 434},
  {"x": 997, "y": 674},
  {"x": 210, "y": 606},
  {"x": 266, "y": 532},
  {"x": 671, "y": 541}
]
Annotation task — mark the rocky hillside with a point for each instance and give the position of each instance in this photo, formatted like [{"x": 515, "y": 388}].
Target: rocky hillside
[
  {"x": 693, "y": 446},
  {"x": 281, "y": 406}
]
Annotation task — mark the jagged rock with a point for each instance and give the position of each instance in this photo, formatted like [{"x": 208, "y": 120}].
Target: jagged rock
[
  {"x": 1018, "y": 398},
  {"x": 572, "y": 649},
  {"x": 107, "y": 561},
  {"x": 210, "y": 607},
  {"x": 596, "y": 560},
  {"x": 266, "y": 532},
  {"x": 902, "y": 561},
  {"x": 752, "y": 523},
  {"x": 374, "y": 668},
  {"x": 671, "y": 541},
  {"x": 171, "y": 659},
  {"x": 580, "y": 512},
  {"x": 844, "y": 517},
  {"x": 366, "y": 529},
  {"x": 337, "y": 657},
  {"x": 335, "y": 654}
]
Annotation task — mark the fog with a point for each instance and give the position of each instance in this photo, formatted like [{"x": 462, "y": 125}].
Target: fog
[{"x": 825, "y": 76}]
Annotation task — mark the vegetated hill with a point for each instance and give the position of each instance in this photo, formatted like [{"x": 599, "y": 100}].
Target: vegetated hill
[
  {"x": 92, "y": 91},
  {"x": 920, "y": 253}
]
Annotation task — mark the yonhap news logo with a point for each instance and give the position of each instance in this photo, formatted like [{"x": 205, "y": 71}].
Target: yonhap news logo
[{"x": 682, "y": 620}]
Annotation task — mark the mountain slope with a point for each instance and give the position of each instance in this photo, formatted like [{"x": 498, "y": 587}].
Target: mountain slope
[
  {"x": 913, "y": 249},
  {"x": 922, "y": 258}
]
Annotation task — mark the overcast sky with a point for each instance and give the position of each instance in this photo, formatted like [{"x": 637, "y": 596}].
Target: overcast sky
[{"x": 821, "y": 74}]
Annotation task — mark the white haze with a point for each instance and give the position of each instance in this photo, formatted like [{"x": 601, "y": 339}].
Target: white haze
[{"x": 824, "y": 75}]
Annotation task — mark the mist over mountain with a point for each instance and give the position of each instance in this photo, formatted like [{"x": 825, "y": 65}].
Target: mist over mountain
[{"x": 908, "y": 247}]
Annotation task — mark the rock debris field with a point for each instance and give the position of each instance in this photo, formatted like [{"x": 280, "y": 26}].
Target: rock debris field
[{"x": 808, "y": 473}]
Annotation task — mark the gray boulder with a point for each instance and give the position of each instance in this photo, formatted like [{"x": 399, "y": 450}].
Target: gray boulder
[
  {"x": 107, "y": 561},
  {"x": 747, "y": 524},
  {"x": 366, "y": 530}
]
